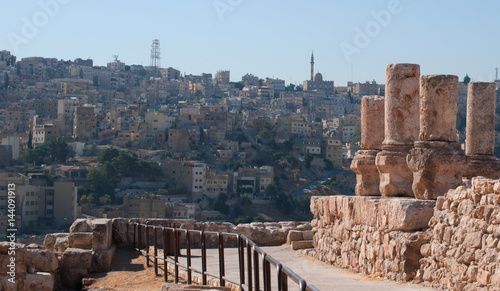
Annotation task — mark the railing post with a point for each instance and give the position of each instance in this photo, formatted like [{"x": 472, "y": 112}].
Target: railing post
[
  {"x": 282, "y": 278},
  {"x": 165, "y": 265},
  {"x": 241, "y": 260},
  {"x": 156, "y": 250},
  {"x": 176, "y": 267},
  {"x": 203, "y": 259},
  {"x": 188, "y": 255},
  {"x": 147, "y": 245},
  {"x": 133, "y": 240},
  {"x": 266, "y": 272},
  {"x": 256, "y": 269},
  {"x": 220, "y": 239},
  {"x": 249, "y": 265},
  {"x": 302, "y": 285},
  {"x": 140, "y": 237}
]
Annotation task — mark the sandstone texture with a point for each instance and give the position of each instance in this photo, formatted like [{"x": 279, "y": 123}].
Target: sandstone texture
[
  {"x": 401, "y": 129},
  {"x": 437, "y": 167},
  {"x": 401, "y": 103},
  {"x": 372, "y": 122},
  {"x": 480, "y": 130},
  {"x": 462, "y": 253},
  {"x": 438, "y": 107},
  {"x": 367, "y": 175},
  {"x": 371, "y": 234}
]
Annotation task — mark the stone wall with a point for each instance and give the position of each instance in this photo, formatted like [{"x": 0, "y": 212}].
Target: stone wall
[
  {"x": 261, "y": 233},
  {"x": 371, "y": 235},
  {"x": 464, "y": 239}
]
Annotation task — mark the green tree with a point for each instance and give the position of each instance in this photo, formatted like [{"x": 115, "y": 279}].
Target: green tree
[
  {"x": 466, "y": 79},
  {"x": 105, "y": 200},
  {"x": 290, "y": 87},
  {"x": 107, "y": 155},
  {"x": 99, "y": 183},
  {"x": 6, "y": 80}
]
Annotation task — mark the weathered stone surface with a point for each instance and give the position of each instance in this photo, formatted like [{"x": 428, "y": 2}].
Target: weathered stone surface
[
  {"x": 72, "y": 277},
  {"x": 102, "y": 234},
  {"x": 39, "y": 281},
  {"x": 367, "y": 175},
  {"x": 401, "y": 104},
  {"x": 462, "y": 252},
  {"x": 19, "y": 260},
  {"x": 437, "y": 167},
  {"x": 101, "y": 261},
  {"x": 120, "y": 232},
  {"x": 76, "y": 259},
  {"x": 42, "y": 260},
  {"x": 61, "y": 244},
  {"x": 302, "y": 244},
  {"x": 401, "y": 128},
  {"x": 372, "y": 122},
  {"x": 82, "y": 240},
  {"x": 80, "y": 225},
  {"x": 480, "y": 131},
  {"x": 50, "y": 240},
  {"x": 293, "y": 235},
  {"x": 438, "y": 108},
  {"x": 395, "y": 176},
  {"x": 371, "y": 234}
]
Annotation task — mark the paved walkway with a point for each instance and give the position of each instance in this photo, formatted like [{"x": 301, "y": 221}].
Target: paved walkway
[{"x": 323, "y": 276}]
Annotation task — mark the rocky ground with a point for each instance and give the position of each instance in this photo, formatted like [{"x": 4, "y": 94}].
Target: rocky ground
[{"x": 129, "y": 273}]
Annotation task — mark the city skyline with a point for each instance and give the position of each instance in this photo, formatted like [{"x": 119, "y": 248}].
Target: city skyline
[{"x": 351, "y": 41}]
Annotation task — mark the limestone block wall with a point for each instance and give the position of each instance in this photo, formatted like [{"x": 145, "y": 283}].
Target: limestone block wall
[
  {"x": 371, "y": 235},
  {"x": 261, "y": 233},
  {"x": 462, "y": 253}
]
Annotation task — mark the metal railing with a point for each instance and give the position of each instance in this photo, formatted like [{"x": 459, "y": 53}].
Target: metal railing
[{"x": 256, "y": 269}]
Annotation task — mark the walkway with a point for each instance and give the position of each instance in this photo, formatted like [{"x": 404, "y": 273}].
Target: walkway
[{"x": 323, "y": 276}]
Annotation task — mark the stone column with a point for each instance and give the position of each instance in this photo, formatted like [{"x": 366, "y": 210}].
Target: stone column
[
  {"x": 480, "y": 132},
  {"x": 372, "y": 135},
  {"x": 437, "y": 161},
  {"x": 401, "y": 129}
]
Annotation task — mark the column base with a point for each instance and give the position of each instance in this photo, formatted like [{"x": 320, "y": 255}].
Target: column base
[
  {"x": 483, "y": 165},
  {"x": 367, "y": 176},
  {"x": 437, "y": 167},
  {"x": 395, "y": 176}
]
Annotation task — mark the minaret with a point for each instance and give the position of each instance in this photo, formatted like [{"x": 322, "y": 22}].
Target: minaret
[{"x": 312, "y": 66}]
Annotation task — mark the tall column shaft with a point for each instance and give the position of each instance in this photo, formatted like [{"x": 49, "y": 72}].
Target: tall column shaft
[
  {"x": 401, "y": 128},
  {"x": 436, "y": 160},
  {"x": 480, "y": 132},
  {"x": 372, "y": 135},
  {"x": 438, "y": 108},
  {"x": 401, "y": 104}
]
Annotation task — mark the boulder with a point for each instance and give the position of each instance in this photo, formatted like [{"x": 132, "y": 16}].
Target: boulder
[
  {"x": 82, "y": 240},
  {"x": 101, "y": 261},
  {"x": 42, "y": 260},
  {"x": 119, "y": 230},
  {"x": 50, "y": 240},
  {"x": 61, "y": 244},
  {"x": 80, "y": 225},
  {"x": 76, "y": 258},
  {"x": 102, "y": 234},
  {"x": 39, "y": 281},
  {"x": 293, "y": 235}
]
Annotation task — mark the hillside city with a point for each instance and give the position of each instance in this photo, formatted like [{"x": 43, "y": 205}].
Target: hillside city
[{"x": 126, "y": 140}]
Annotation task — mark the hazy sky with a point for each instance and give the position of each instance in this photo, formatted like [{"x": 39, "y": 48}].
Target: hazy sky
[{"x": 265, "y": 38}]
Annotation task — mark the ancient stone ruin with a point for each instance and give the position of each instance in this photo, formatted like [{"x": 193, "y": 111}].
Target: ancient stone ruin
[
  {"x": 401, "y": 129},
  {"x": 421, "y": 229}
]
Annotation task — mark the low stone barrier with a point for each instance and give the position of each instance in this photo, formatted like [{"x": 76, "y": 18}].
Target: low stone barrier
[{"x": 371, "y": 235}]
